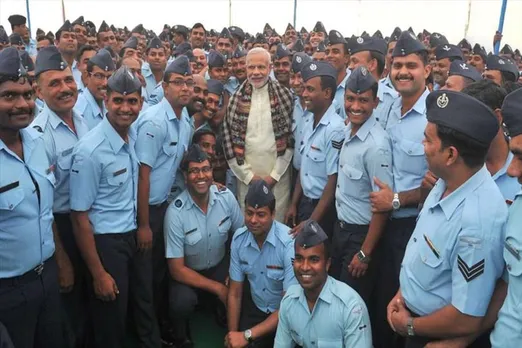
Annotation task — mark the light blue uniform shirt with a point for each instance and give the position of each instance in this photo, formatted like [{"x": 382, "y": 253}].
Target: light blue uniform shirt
[
  {"x": 339, "y": 319},
  {"x": 38, "y": 106},
  {"x": 507, "y": 331},
  {"x": 454, "y": 256},
  {"x": 339, "y": 96},
  {"x": 162, "y": 141},
  {"x": 31, "y": 47},
  {"x": 104, "y": 179},
  {"x": 77, "y": 74},
  {"x": 320, "y": 152},
  {"x": 89, "y": 109},
  {"x": 509, "y": 186},
  {"x": 364, "y": 156},
  {"x": 232, "y": 85},
  {"x": 406, "y": 134},
  {"x": 299, "y": 118},
  {"x": 59, "y": 144},
  {"x": 26, "y": 236},
  {"x": 269, "y": 270},
  {"x": 198, "y": 237},
  {"x": 154, "y": 89},
  {"x": 387, "y": 96}
]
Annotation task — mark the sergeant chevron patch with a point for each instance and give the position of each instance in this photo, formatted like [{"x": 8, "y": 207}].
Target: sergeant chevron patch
[{"x": 470, "y": 273}]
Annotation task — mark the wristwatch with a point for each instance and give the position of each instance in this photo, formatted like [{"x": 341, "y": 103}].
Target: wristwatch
[
  {"x": 248, "y": 335},
  {"x": 362, "y": 257},
  {"x": 396, "y": 203},
  {"x": 409, "y": 326}
]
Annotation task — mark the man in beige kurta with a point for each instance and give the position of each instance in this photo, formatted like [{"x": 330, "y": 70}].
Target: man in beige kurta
[{"x": 261, "y": 160}]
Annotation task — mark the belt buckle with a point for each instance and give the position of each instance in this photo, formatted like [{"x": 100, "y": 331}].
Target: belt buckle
[
  {"x": 39, "y": 269},
  {"x": 341, "y": 224}
]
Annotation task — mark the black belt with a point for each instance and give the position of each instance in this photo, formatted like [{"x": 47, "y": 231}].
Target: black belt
[
  {"x": 344, "y": 225},
  {"x": 27, "y": 277},
  {"x": 310, "y": 200},
  {"x": 157, "y": 206}
]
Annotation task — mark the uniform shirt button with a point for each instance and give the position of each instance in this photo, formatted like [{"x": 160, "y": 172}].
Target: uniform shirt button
[
  {"x": 313, "y": 342},
  {"x": 424, "y": 258},
  {"x": 338, "y": 186},
  {"x": 341, "y": 165},
  {"x": 264, "y": 289},
  {"x": 10, "y": 206},
  {"x": 262, "y": 272},
  {"x": 209, "y": 234},
  {"x": 508, "y": 267},
  {"x": 306, "y": 174},
  {"x": 414, "y": 239}
]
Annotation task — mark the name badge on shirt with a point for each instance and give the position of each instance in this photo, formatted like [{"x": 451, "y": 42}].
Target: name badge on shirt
[
  {"x": 512, "y": 250},
  {"x": 67, "y": 152},
  {"x": 242, "y": 262},
  {"x": 223, "y": 221},
  {"x": 119, "y": 172},
  {"x": 9, "y": 187},
  {"x": 191, "y": 231},
  {"x": 315, "y": 148},
  {"x": 275, "y": 267},
  {"x": 174, "y": 143}
]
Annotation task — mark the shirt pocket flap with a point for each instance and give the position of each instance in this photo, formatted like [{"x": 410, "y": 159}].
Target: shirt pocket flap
[
  {"x": 352, "y": 173},
  {"x": 192, "y": 236},
  {"x": 11, "y": 196},
  {"x": 512, "y": 256},
  {"x": 170, "y": 148},
  {"x": 317, "y": 156},
  {"x": 117, "y": 176},
  {"x": 412, "y": 148}
]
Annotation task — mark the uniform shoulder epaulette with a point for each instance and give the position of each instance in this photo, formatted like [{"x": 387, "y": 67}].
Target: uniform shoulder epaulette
[{"x": 239, "y": 232}]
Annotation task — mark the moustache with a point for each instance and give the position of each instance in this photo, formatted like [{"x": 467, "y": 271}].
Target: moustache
[
  {"x": 65, "y": 94},
  {"x": 400, "y": 77},
  {"x": 20, "y": 112}
]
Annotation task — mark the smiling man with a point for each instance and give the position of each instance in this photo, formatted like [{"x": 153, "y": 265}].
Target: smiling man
[
  {"x": 320, "y": 311},
  {"x": 67, "y": 43},
  {"x": 282, "y": 64},
  {"x": 164, "y": 133},
  {"x": 91, "y": 104},
  {"x": 153, "y": 70},
  {"x": 62, "y": 127},
  {"x": 198, "y": 225},
  {"x": 103, "y": 184},
  {"x": 444, "y": 56},
  {"x": 338, "y": 56},
  {"x": 261, "y": 252}
]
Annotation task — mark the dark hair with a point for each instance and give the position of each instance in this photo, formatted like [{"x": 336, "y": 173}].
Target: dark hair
[
  {"x": 82, "y": 50},
  {"x": 507, "y": 76},
  {"x": 511, "y": 86},
  {"x": 5, "y": 78},
  {"x": 329, "y": 82},
  {"x": 271, "y": 205},
  {"x": 452, "y": 59},
  {"x": 162, "y": 47},
  {"x": 90, "y": 66},
  {"x": 424, "y": 57},
  {"x": 44, "y": 37},
  {"x": 487, "y": 92},
  {"x": 109, "y": 91},
  {"x": 167, "y": 75},
  {"x": 472, "y": 152},
  {"x": 198, "y": 25},
  {"x": 327, "y": 249},
  {"x": 467, "y": 81},
  {"x": 196, "y": 138},
  {"x": 375, "y": 89},
  {"x": 379, "y": 57}
]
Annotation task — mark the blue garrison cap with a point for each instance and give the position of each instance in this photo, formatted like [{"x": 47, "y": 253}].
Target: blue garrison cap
[
  {"x": 407, "y": 44},
  {"x": 320, "y": 68},
  {"x": 225, "y": 34},
  {"x": 124, "y": 81},
  {"x": 27, "y": 62},
  {"x": 215, "y": 87},
  {"x": 104, "y": 27},
  {"x": 216, "y": 60},
  {"x": 180, "y": 29},
  {"x": 479, "y": 51},
  {"x": 155, "y": 42},
  {"x": 10, "y": 63},
  {"x": 259, "y": 195},
  {"x": 103, "y": 60},
  {"x": 448, "y": 51},
  {"x": 360, "y": 80},
  {"x": 180, "y": 65},
  {"x": 395, "y": 35},
  {"x": 460, "y": 68},
  {"x": 373, "y": 44},
  {"x": 512, "y": 112},
  {"x": 49, "y": 58},
  {"x": 299, "y": 60},
  {"x": 132, "y": 42},
  {"x": 16, "y": 39},
  {"x": 4, "y": 39},
  {"x": 495, "y": 62},
  {"x": 464, "y": 44},
  {"x": 298, "y": 46},
  {"x": 453, "y": 110},
  {"x": 321, "y": 47},
  {"x": 67, "y": 27},
  {"x": 282, "y": 51},
  {"x": 319, "y": 27},
  {"x": 194, "y": 154},
  {"x": 311, "y": 235},
  {"x": 437, "y": 39},
  {"x": 239, "y": 52},
  {"x": 507, "y": 50},
  {"x": 335, "y": 37},
  {"x": 182, "y": 49},
  {"x": 237, "y": 31}
]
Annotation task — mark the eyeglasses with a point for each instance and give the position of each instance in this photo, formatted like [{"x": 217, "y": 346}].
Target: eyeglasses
[
  {"x": 197, "y": 171},
  {"x": 100, "y": 76},
  {"x": 180, "y": 83}
]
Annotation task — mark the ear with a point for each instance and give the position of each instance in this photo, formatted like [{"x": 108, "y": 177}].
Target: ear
[
  {"x": 427, "y": 70},
  {"x": 453, "y": 155},
  {"x": 328, "y": 264},
  {"x": 372, "y": 65},
  {"x": 498, "y": 114}
]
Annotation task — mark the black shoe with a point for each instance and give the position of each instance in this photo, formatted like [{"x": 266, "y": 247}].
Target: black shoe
[
  {"x": 167, "y": 338},
  {"x": 186, "y": 343}
]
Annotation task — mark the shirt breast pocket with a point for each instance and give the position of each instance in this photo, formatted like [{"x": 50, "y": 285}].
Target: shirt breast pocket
[
  {"x": 225, "y": 225},
  {"x": 11, "y": 196},
  {"x": 329, "y": 343},
  {"x": 192, "y": 237},
  {"x": 354, "y": 181},
  {"x": 118, "y": 176},
  {"x": 171, "y": 148},
  {"x": 412, "y": 157},
  {"x": 317, "y": 163},
  {"x": 297, "y": 339},
  {"x": 65, "y": 160},
  {"x": 426, "y": 267}
]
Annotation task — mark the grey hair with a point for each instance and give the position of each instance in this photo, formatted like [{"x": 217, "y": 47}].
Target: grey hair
[{"x": 259, "y": 50}]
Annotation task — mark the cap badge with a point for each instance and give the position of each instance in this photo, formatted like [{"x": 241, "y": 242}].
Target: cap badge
[
  {"x": 312, "y": 226},
  {"x": 360, "y": 40},
  {"x": 501, "y": 62},
  {"x": 313, "y": 67},
  {"x": 412, "y": 36},
  {"x": 298, "y": 59},
  {"x": 233, "y": 28},
  {"x": 463, "y": 66},
  {"x": 437, "y": 36},
  {"x": 338, "y": 34},
  {"x": 442, "y": 101},
  {"x": 364, "y": 72},
  {"x": 265, "y": 190},
  {"x": 446, "y": 48}
]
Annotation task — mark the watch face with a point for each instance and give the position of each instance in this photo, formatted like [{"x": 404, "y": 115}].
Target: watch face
[{"x": 395, "y": 205}]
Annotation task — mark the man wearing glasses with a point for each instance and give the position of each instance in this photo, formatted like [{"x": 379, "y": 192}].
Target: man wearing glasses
[
  {"x": 164, "y": 133},
  {"x": 90, "y": 103}
]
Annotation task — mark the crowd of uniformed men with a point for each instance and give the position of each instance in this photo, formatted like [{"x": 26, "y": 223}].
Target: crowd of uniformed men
[{"x": 306, "y": 189}]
